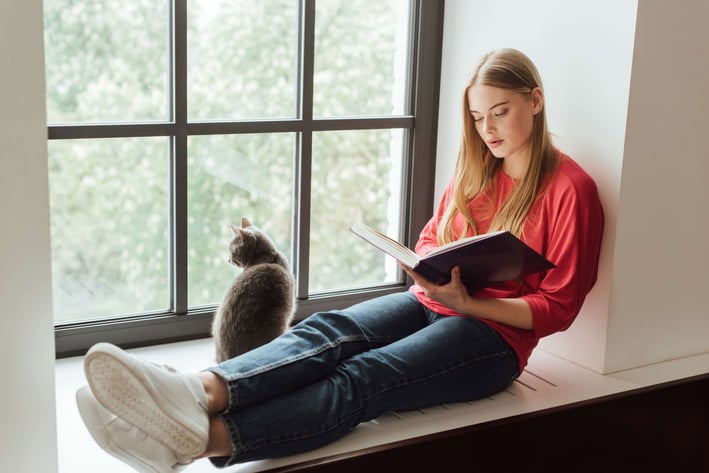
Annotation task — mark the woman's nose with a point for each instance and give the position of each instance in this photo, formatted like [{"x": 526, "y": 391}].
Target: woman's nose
[{"x": 488, "y": 126}]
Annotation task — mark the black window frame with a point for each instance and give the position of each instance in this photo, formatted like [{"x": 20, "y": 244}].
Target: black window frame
[{"x": 181, "y": 323}]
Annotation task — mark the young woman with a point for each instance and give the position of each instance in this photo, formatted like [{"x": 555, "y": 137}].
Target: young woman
[{"x": 430, "y": 345}]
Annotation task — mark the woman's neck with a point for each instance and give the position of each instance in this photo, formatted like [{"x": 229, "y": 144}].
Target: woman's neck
[{"x": 515, "y": 166}]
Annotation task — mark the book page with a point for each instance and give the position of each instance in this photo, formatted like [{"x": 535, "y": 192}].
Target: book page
[
  {"x": 462, "y": 242},
  {"x": 388, "y": 245}
]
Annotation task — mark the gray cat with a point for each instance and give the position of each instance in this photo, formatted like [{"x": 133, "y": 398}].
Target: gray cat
[{"x": 259, "y": 305}]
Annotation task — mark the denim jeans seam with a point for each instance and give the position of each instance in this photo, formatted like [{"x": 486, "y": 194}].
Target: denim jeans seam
[
  {"x": 235, "y": 439},
  {"x": 231, "y": 389},
  {"x": 291, "y": 359},
  {"x": 231, "y": 380},
  {"x": 427, "y": 377},
  {"x": 353, "y": 412},
  {"x": 293, "y": 438}
]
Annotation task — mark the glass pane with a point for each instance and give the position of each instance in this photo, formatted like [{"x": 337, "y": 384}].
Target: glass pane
[
  {"x": 230, "y": 177},
  {"x": 106, "y": 61},
  {"x": 356, "y": 178},
  {"x": 361, "y": 57},
  {"x": 242, "y": 59},
  {"x": 109, "y": 208}
]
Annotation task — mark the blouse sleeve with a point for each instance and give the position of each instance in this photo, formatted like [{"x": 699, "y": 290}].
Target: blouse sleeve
[{"x": 575, "y": 228}]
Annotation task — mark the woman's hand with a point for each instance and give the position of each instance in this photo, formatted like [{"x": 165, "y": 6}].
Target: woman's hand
[
  {"x": 453, "y": 295},
  {"x": 514, "y": 312}
]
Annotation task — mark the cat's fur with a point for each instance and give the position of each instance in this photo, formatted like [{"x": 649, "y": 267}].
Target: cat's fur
[{"x": 259, "y": 305}]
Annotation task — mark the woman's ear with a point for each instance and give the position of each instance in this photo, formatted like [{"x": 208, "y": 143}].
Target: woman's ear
[{"x": 537, "y": 100}]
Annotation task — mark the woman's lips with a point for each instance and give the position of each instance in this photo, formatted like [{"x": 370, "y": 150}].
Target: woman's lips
[{"x": 494, "y": 143}]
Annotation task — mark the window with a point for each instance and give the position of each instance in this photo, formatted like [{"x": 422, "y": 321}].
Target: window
[{"x": 169, "y": 120}]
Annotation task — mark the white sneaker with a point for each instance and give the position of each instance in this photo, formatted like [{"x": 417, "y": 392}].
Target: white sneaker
[
  {"x": 122, "y": 440},
  {"x": 167, "y": 405}
]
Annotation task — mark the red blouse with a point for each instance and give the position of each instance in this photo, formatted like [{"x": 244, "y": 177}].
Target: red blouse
[{"x": 565, "y": 224}]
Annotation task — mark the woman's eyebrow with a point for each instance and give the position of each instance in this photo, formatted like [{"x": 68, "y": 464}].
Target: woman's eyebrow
[{"x": 496, "y": 105}]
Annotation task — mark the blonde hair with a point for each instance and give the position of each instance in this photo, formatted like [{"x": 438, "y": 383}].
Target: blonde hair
[{"x": 476, "y": 167}]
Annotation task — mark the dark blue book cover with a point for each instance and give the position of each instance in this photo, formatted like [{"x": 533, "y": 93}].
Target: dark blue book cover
[{"x": 484, "y": 260}]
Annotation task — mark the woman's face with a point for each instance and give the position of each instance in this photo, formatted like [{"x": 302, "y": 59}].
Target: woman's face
[{"x": 504, "y": 118}]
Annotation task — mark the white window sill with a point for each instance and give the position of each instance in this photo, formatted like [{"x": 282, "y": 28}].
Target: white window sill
[{"x": 548, "y": 382}]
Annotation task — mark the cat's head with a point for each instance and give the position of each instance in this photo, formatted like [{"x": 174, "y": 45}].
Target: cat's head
[{"x": 251, "y": 246}]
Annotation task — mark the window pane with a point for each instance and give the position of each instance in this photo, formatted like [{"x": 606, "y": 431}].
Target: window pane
[
  {"x": 106, "y": 61},
  {"x": 242, "y": 59},
  {"x": 230, "y": 177},
  {"x": 356, "y": 178},
  {"x": 109, "y": 209},
  {"x": 361, "y": 57}
]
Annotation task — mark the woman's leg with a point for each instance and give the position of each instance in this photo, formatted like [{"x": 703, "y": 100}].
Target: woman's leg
[
  {"x": 452, "y": 359},
  {"x": 175, "y": 407},
  {"x": 314, "y": 348}
]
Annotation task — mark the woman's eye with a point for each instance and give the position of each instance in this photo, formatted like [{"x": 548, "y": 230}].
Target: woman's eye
[
  {"x": 477, "y": 119},
  {"x": 501, "y": 113}
]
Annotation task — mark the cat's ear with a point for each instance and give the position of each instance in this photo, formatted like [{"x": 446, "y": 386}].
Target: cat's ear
[
  {"x": 239, "y": 232},
  {"x": 245, "y": 222}
]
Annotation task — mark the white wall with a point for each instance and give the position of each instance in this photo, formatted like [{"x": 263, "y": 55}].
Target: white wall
[
  {"x": 659, "y": 281},
  {"x": 586, "y": 78},
  {"x": 27, "y": 409},
  {"x": 631, "y": 132}
]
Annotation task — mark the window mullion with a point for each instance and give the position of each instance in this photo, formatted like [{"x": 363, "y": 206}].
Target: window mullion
[
  {"x": 179, "y": 158},
  {"x": 427, "y": 60},
  {"x": 304, "y": 148}
]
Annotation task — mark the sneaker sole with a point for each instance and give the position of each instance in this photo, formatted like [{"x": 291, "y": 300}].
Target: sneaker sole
[
  {"x": 125, "y": 393},
  {"x": 94, "y": 423}
]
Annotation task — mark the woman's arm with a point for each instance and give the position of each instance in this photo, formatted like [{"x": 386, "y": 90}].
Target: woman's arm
[{"x": 514, "y": 312}]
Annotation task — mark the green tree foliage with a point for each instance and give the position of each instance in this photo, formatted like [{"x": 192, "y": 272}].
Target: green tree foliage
[{"x": 108, "y": 62}]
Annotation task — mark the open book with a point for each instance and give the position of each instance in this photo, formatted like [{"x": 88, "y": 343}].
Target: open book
[{"x": 484, "y": 259}]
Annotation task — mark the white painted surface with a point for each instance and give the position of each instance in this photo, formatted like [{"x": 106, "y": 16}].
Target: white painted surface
[
  {"x": 28, "y": 434},
  {"x": 658, "y": 309},
  {"x": 548, "y": 382},
  {"x": 640, "y": 135}
]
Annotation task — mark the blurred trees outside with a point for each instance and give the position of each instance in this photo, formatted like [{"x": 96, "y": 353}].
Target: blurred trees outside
[{"x": 108, "y": 62}]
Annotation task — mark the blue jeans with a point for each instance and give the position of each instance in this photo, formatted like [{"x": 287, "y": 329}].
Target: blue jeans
[{"x": 336, "y": 369}]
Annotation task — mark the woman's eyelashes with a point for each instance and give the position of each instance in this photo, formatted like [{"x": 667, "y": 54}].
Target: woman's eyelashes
[{"x": 500, "y": 113}]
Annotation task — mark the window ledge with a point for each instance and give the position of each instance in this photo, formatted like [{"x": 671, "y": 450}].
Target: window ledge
[{"x": 548, "y": 383}]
